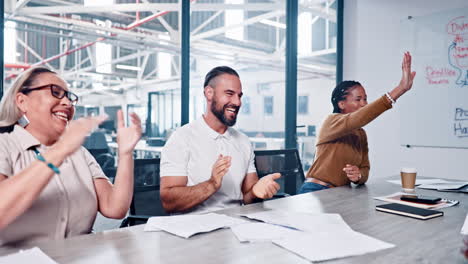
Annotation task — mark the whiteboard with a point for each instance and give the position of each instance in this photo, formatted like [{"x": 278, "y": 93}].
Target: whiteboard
[{"x": 434, "y": 113}]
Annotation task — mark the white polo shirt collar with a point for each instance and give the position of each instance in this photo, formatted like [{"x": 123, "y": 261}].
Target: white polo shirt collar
[{"x": 212, "y": 133}]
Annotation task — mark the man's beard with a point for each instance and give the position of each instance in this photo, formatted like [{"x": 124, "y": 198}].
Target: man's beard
[{"x": 220, "y": 113}]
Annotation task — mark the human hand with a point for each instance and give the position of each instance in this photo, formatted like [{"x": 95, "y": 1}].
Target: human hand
[
  {"x": 407, "y": 76},
  {"x": 127, "y": 137},
  {"x": 266, "y": 186},
  {"x": 220, "y": 168},
  {"x": 352, "y": 172},
  {"x": 76, "y": 132}
]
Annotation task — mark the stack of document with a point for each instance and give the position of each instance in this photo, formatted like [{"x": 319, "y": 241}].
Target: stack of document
[
  {"x": 33, "y": 255},
  {"x": 188, "y": 225},
  {"x": 396, "y": 198},
  {"x": 446, "y": 186},
  {"x": 316, "y": 237},
  {"x": 438, "y": 184}
]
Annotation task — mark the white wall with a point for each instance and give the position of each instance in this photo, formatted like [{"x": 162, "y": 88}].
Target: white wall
[
  {"x": 317, "y": 90},
  {"x": 372, "y": 55}
]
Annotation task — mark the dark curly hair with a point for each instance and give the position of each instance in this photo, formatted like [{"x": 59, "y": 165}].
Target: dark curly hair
[{"x": 340, "y": 92}]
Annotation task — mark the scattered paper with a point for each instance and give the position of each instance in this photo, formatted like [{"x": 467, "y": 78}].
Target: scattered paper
[
  {"x": 464, "y": 230},
  {"x": 188, "y": 225},
  {"x": 443, "y": 186},
  {"x": 420, "y": 181},
  {"x": 326, "y": 245},
  {"x": 261, "y": 232},
  {"x": 33, "y": 255},
  {"x": 301, "y": 221},
  {"x": 395, "y": 198}
]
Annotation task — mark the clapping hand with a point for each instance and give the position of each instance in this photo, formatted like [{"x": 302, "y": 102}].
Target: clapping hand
[
  {"x": 352, "y": 172},
  {"x": 266, "y": 186},
  {"x": 127, "y": 137},
  {"x": 220, "y": 168},
  {"x": 76, "y": 132}
]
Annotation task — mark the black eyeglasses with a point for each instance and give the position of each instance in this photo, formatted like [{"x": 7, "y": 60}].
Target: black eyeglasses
[{"x": 55, "y": 90}]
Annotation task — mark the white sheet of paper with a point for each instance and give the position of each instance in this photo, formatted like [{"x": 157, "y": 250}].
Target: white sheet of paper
[
  {"x": 443, "y": 186},
  {"x": 33, "y": 255},
  {"x": 420, "y": 181},
  {"x": 331, "y": 244},
  {"x": 261, "y": 232},
  {"x": 301, "y": 221},
  {"x": 188, "y": 225},
  {"x": 464, "y": 230}
]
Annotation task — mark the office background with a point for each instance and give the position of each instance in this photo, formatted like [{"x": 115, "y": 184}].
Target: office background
[
  {"x": 135, "y": 80},
  {"x": 141, "y": 57},
  {"x": 372, "y": 55}
]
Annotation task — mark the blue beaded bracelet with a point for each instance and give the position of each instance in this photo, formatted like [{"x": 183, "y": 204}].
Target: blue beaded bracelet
[{"x": 50, "y": 165}]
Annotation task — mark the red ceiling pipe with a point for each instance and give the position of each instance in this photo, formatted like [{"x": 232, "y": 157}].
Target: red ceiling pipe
[
  {"x": 137, "y": 12},
  {"x": 129, "y": 27},
  {"x": 16, "y": 66}
]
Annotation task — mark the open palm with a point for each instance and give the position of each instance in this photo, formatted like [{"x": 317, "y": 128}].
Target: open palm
[
  {"x": 127, "y": 137},
  {"x": 407, "y": 75}
]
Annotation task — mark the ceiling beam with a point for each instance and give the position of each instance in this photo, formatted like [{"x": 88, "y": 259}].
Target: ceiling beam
[
  {"x": 163, "y": 22},
  {"x": 91, "y": 26},
  {"x": 150, "y": 7},
  {"x": 206, "y": 22},
  {"x": 114, "y": 61},
  {"x": 34, "y": 53},
  {"x": 246, "y": 22},
  {"x": 20, "y": 4}
]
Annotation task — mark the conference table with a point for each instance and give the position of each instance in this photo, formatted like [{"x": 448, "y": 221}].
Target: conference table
[{"x": 437, "y": 240}]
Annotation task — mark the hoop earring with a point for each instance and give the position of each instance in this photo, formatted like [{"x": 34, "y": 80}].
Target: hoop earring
[{"x": 23, "y": 121}]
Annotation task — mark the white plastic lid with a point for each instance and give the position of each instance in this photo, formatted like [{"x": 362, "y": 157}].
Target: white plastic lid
[{"x": 409, "y": 170}]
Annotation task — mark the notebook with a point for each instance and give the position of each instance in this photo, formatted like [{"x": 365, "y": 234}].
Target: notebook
[{"x": 409, "y": 211}]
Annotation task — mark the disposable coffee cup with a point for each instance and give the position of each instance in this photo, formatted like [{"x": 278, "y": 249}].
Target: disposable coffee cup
[{"x": 408, "y": 179}]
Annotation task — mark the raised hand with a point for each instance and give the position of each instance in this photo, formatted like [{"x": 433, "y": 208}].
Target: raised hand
[
  {"x": 407, "y": 76},
  {"x": 76, "y": 132},
  {"x": 352, "y": 172},
  {"x": 266, "y": 186},
  {"x": 220, "y": 168},
  {"x": 127, "y": 137}
]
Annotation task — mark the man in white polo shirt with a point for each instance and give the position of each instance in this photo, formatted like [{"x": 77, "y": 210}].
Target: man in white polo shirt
[{"x": 207, "y": 165}]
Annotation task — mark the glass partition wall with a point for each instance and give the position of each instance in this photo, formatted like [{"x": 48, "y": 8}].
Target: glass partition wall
[
  {"x": 251, "y": 41},
  {"x": 316, "y": 71},
  {"x": 126, "y": 54}
]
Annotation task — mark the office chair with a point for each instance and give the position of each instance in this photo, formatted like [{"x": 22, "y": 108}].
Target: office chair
[
  {"x": 146, "y": 201},
  {"x": 285, "y": 161},
  {"x": 96, "y": 144}
]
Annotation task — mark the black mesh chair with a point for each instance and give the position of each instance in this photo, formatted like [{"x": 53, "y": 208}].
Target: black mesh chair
[
  {"x": 284, "y": 161},
  {"x": 96, "y": 144},
  {"x": 146, "y": 201}
]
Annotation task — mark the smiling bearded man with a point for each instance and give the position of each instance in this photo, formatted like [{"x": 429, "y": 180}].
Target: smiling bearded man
[
  {"x": 207, "y": 165},
  {"x": 220, "y": 113}
]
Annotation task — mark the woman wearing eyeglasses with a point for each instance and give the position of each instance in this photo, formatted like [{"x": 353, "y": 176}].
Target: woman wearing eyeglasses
[{"x": 50, "y": 186}]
